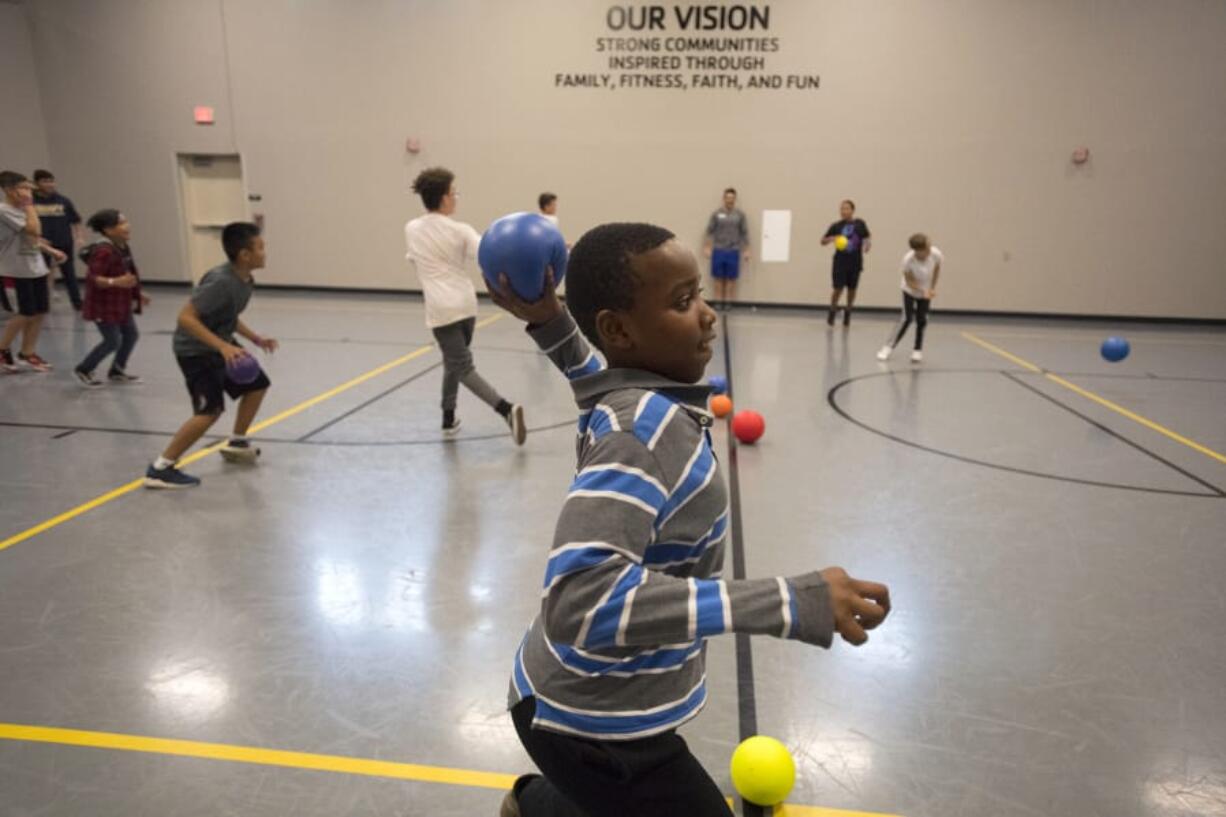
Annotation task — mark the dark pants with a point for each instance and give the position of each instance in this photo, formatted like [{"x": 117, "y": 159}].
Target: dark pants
[
  {"x": 115, "y": 336},
  {"x": 651, "y": 777},
  {"x": 454, "y": 340},
  {"x": 913, "y": 309},
  {"x": 68, "y": 273}
]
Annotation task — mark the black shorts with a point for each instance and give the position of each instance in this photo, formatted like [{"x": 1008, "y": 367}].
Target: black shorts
[
  {"x": 848, "y": 277},
  {"x": 208, "y": 383},
  {"x": 33, "y": 297}
]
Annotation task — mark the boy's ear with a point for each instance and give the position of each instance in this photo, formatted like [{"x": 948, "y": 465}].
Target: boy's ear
[{"x": 612, "y": 330}]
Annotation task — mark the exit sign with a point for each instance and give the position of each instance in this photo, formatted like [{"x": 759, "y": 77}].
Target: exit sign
[{"x": 204, "y": 115}]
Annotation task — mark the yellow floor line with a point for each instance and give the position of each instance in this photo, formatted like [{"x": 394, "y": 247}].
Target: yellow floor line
[
  {"x": 129, "y": 487},
  {"x": 1102, "y": 401},
  {"x": 1025, "y": 364},
  {"x": 339, "y": 764},
  {"x": 1092, "y": 336},
  {"x": 1137, "y": 418},
  {"x": 262, "y": 757},
  {"x": 789, "y": 810}
]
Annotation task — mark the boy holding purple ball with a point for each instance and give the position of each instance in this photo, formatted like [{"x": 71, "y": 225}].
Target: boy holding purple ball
[{"x": 205, "y": 348}]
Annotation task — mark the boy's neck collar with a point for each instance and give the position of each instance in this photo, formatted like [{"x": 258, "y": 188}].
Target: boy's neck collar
[
  {"x": 241, "y": 272},
  {"x": 589, "y": 389}
]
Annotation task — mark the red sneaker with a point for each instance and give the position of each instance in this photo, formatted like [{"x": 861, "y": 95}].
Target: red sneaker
[
  {"x": 35, "y": 362},
  {"x": 6, "y": 362}
]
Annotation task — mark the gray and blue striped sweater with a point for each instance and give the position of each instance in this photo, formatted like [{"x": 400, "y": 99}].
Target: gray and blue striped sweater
[{"x": 632, "y": 588}]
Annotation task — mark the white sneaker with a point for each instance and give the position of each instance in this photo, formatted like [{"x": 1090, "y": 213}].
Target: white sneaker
[
  {"x": 917, "y": 356},
  {"x": 884, "y": 354},
  {"x": 239, "y": 451},
  {"x": 519, "y": 429}
]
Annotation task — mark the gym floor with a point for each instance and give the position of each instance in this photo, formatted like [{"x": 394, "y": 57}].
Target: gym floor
[{"x": 330, "y": 632}]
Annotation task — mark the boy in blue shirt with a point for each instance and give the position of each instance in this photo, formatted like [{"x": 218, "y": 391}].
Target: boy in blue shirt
[{"x": 615, "y": 661}]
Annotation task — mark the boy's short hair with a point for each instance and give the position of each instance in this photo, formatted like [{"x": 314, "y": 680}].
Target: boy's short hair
[
  {"x": 850, "y": 204},
  {"x": 546, "y": 199},
  {"x": 10, "y": 178},
  {"x": 918, "y": 241},
  {"x": 728, "y": 190},
  {"x": 432, "y": 184},
  {"x": 103, "y": 220},
  {"x": 237, "y": 236},
  {"x": 40, "y": 175},
  {"x": 598, "y": 274}
]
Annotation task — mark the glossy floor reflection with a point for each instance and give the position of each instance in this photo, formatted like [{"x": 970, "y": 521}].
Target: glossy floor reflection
[{"x": 1058, "y": 644}]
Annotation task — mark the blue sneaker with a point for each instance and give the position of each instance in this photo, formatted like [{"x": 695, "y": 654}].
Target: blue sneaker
[{"x": 170, "y": 477}]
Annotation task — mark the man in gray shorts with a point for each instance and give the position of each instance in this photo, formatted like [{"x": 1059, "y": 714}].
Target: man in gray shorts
[{"x": 439, "y": 246}]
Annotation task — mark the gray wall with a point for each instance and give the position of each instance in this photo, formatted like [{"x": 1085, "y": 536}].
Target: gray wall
[
  {"x": 956, "y": 117},
  {"x": 23, "y": 140}
]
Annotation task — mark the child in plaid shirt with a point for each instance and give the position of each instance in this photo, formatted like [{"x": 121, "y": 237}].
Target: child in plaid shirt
[{"x": 112, "y": 296}]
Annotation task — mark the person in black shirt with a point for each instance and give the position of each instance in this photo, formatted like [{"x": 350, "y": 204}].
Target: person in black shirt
[
  {"x": 851, "y": 239},
  {"x": 61, "y": 227}
]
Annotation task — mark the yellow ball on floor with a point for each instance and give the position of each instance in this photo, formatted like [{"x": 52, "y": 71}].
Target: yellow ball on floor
[
  {"x": 840, "y": 243},
  {"x": 763, "y": 770}
]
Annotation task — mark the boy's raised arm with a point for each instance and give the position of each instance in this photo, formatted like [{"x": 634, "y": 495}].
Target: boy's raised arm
[{"x": 551, "y": 327}]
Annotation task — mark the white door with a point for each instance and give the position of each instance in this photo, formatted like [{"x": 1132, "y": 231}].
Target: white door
[{"x": 213, "y": 196}]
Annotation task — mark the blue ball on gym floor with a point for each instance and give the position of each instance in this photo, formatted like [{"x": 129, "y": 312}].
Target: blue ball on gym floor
[
  {"x": 718, "y": 383},
  {"x": 522, "y": 246},
  {"x": 243, "y": 369},
  {"x": 1115, "y": 349}
]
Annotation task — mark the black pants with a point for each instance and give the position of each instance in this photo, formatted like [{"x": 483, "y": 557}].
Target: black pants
[
  {"x": 68, "y": 274},
  {"x": 913, "y": 309},
  {"x": 116, "y": 337},
  {"x": 651, "y": 777}
]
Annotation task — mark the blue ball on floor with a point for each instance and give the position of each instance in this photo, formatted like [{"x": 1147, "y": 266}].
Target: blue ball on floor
[
  {"x": 522, "y": 246},
  {"x": 718, "y": 383},
  {"x": 1115, "y": 349}
]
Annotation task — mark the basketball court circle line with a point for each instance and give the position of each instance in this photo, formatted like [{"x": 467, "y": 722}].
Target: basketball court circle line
[{"x": 832, "y": 400}]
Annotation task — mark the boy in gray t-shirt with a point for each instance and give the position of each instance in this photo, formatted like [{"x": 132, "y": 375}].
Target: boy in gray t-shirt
[
  {"x": 21, "y": 258},
  {"x": 205, "y": 348}
]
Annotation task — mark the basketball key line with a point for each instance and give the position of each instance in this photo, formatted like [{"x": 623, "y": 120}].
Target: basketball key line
[
  {"x": 311, "y": 761},
  {"x": 129, "y": 487},
  {"x": 1102, "y": 401}
]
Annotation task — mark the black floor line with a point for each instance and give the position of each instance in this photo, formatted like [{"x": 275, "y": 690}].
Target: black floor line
[
  {"x": 425, "y": 441},
  {"x": 211, "y": 438},
  {"x": 143, "y": 432},
  {"x": 832, "y": 400},
  {"x": 395, "y": 387},
  {"x": 747, "y": 704},
  {"x": 1115, "y": 434}
]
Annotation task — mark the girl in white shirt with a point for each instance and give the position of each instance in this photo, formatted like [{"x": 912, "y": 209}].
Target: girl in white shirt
[{"x": 921, "y": 267}]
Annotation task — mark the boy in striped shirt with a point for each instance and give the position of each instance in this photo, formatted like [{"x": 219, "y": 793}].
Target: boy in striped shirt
[{"x": 615, "y": 661}]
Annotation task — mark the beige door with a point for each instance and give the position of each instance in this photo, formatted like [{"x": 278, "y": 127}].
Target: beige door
[{"x": 213, "y": 196}]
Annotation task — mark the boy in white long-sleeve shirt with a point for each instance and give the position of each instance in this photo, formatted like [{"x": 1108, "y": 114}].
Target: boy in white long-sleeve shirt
[{"x": 921, "y": 267}]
